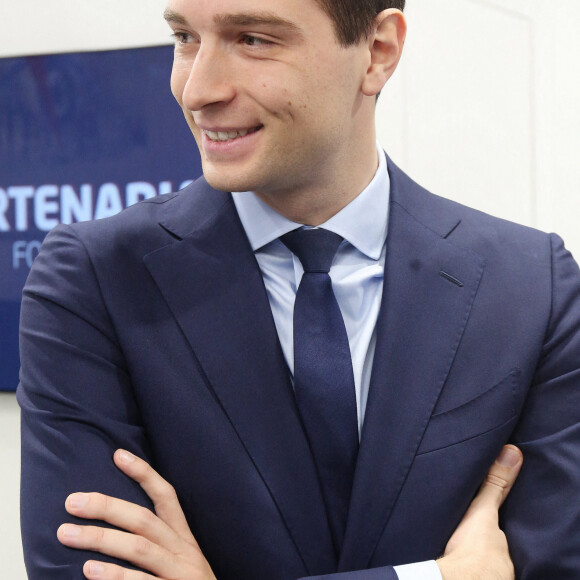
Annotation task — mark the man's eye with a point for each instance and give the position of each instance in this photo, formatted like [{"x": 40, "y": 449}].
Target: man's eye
[
  {"x": 250, "y": 40},
  {"x": 181, "y": 37}
]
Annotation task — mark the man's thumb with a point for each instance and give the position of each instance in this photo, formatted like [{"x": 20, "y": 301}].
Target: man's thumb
[{"x": 501, "y": 476}]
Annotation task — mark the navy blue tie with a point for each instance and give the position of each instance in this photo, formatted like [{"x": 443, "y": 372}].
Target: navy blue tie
[{"x": 323, "y": 377}]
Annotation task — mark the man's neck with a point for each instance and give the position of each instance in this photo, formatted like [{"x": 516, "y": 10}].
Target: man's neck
[{"x": 316, "y": 204}]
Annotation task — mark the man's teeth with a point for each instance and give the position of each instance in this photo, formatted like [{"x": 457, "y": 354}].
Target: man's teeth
[{"x": 226, "y": 135}]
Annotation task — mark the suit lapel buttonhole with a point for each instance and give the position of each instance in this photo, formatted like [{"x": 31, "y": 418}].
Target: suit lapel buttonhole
[{"x": 451, "y": 278}]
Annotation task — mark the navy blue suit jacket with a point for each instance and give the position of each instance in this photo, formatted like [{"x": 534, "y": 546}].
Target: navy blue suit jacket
[{"x": 152, "y": 331}]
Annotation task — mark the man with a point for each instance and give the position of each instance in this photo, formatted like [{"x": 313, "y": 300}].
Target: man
[{"x": 167, "y": 331}]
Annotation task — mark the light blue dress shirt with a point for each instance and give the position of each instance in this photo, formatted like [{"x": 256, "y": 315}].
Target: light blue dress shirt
[{"x": 357, "y": 275}]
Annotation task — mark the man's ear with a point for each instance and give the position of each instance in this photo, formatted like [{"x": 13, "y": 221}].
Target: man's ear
[{"x": 385, "y": 44}]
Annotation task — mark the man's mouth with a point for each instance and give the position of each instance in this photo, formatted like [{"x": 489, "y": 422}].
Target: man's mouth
[{"x": 229, "y": 135}]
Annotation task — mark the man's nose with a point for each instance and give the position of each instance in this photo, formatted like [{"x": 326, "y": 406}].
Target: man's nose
[{"x": 210, "y": 80}]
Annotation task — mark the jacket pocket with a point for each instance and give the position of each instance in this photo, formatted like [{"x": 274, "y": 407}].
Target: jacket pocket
[{"x": 486, "y": 412}]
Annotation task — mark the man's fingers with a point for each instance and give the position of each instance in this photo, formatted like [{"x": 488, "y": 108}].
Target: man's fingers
[
  {"x": 500, "y": 477},
  {"x": 161, "y": 493},
  {"x": 103, "y": 571},
  {"x": 127, "y": 547},
  {"x": 127, "y": 516}
]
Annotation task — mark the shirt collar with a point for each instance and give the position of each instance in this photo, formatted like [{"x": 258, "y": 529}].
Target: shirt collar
[{"x": 357, "y": 222}]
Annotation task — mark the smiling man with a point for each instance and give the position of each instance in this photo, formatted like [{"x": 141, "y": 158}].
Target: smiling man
[{"x": 322, "y": 358}]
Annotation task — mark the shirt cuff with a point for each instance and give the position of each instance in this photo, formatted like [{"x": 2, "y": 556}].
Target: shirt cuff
[{"x": 419, "y": 571}]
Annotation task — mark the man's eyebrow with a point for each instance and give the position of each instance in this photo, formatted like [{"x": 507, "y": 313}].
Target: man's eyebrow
[
  {"x": 174, "y": 17},
  {"x": 261, "y": 18}
]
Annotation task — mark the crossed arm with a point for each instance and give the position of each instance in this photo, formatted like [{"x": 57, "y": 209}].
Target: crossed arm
[{"x": 163, "y": 544}]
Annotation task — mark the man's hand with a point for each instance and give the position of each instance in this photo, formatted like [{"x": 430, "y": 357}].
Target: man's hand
[
  {"x": 478, "y": 549},
  {"x": 159, "y": 542}
]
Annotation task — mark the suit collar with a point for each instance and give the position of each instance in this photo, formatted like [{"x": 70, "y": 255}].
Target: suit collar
[
  {"x": 433, "y": 212},
  {"x": 193, "y": 210}
]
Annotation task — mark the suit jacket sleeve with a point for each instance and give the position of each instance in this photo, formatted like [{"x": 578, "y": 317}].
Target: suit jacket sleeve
[
  {"x": 76, "y": 400},
  {"x": 541, "y": 517}
]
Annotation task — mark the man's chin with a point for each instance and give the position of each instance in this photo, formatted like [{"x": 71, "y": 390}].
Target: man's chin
[
  {"x": 223, "y": 182},
  {"x": 218, "y": 184}
]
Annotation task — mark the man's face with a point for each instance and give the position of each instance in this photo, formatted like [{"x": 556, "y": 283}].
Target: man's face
[{"x": 271, "y": 97}]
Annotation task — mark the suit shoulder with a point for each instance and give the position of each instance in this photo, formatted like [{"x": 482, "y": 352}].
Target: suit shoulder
[{"x": 458, "y": 221}]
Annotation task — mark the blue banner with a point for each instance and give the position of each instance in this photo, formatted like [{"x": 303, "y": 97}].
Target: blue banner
[{"x": 82, "y": 136}]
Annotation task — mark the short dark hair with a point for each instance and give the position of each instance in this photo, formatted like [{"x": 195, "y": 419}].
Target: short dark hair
[{"x": 353, "y": 19}]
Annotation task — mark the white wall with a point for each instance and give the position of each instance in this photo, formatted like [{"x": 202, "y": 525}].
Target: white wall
[
  {"x": 46, "y": 26},
  {"x": 10, "y": 548},
  {"x": 484, "y": 109}
]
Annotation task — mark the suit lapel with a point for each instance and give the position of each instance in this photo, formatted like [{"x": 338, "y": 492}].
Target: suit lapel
[
  {"x": 422, "y": 318},
  {"x": 212, "y": 283}
]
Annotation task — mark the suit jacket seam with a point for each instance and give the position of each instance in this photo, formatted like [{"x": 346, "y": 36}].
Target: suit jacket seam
[
  {"x": 512, "y": 374},
  {"x": 482, "y": 434}
]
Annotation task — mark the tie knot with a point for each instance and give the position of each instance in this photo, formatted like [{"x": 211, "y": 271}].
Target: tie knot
[{"x": 315, "y": 247}]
